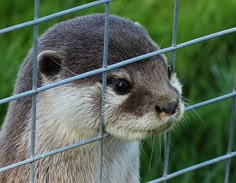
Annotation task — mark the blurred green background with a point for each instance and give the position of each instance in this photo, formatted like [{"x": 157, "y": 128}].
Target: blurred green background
[{"x": 206, "y": 70}]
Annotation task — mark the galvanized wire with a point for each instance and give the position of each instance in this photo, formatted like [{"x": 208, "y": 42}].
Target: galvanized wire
[
  {"x": 103, "y": 70},
  {"x": 217, "y": 99},
  {"x": 174, "y": 35},
  {"x": 51, "y": 153},
  {"x": 173, "y": 61},
  {"x": 54, "y": 15},
  {"x": 231, "y": 134},
  {"x": 34, "y": 87},
  {"x": 65, "y": 148},
  {"x": 104, "y": 86},
  {"x": 119, "y": 64},
  {"x": 210, "y": 101},
  {"x": 167, "y": 154},
  {"x": 195, "y": 167}
]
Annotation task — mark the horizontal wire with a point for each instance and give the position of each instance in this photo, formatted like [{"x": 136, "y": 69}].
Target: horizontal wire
[
  {"x": 194, "y": 167},
  {"x": 210, "y": 101},
  {"x": 101, "y": 70},
  {"x": 50, "y": 153},
  {"x": 51, "y": 16},
  {"x": 217, "y": 99},
  {"x": 117, "y": 65}
]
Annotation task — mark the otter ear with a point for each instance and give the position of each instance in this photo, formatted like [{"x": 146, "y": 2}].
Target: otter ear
[{"x": 49, "y": 63}]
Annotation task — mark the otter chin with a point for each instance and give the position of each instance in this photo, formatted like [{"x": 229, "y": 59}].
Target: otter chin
[{"x": 142, "y": 99}]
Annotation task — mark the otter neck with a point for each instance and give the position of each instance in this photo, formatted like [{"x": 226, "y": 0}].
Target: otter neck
[{"x": 120, "y": 160}]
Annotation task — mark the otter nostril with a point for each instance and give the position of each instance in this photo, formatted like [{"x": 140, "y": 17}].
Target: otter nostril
[
  {"x": 157, "y": 109},
  {"x": 169, "y": 108}
]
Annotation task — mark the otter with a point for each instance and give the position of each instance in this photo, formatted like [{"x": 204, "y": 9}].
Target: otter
[{"x": 142, "y": 99}]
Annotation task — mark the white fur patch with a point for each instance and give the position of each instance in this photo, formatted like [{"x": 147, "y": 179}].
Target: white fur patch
[
  {"x": 175, "y": 82},
  {"x": 70, "y": 108},
  {"x": 77, "y": 110}
]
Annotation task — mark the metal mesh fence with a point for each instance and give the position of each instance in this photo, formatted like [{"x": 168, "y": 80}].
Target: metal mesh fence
[{"x": 166, "y": 176}]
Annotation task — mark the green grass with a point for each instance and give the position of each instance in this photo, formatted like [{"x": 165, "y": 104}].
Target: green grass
[{"x": 206, "y": 70}]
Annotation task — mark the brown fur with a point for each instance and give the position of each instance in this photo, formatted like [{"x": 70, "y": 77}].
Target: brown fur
[{"x": 70, "y": 113}]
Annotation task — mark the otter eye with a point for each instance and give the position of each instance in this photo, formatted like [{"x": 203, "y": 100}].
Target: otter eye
[
  {"x": 169, "y": 71},
  {"x": 120, "y": 85}
]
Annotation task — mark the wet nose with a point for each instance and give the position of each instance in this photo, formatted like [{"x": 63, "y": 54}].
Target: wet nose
[{"x": 169, "y": 108}]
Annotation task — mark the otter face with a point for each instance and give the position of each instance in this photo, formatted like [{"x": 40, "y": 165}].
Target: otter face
[{"x": 141, "y": 100}]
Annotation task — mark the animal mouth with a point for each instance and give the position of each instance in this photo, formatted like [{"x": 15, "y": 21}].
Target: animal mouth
[
  {"x": 161, "y": 128},
  {"x": 141, "y": 133},
  {"x": 154, "y": 131},
  {"x": 135, "y": 132}
]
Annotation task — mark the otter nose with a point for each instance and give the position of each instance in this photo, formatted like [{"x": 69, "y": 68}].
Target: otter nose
[{"x": 169, "y": 108}]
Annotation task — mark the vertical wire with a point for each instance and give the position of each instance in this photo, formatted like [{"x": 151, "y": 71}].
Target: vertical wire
[
  {"x": 34, "y": 87},
  {"x": 173, "y": 60},
  {"x": 174, "y": 35},
  {"x": 167, "y": 154},
  {"x": 231, "y": 134},
  {"x": 104, "y": 85}
]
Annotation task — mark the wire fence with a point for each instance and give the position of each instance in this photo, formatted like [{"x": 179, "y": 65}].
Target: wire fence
[{"x": 166, "y": 176}]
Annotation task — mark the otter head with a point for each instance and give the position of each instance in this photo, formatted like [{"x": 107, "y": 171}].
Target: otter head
[{"x": 142, "y": 99}]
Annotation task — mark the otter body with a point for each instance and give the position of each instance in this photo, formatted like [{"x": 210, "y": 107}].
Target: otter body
[{"x": 142, "y": 99}]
